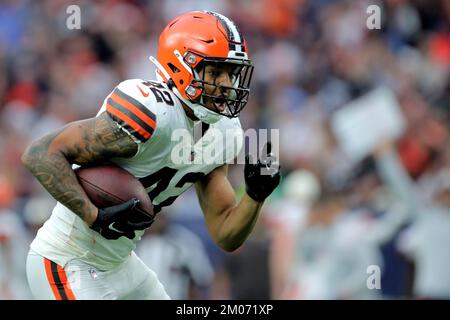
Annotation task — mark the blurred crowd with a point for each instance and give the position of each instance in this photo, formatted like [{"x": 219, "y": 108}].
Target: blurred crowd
[{"x": 333, "y": 224}]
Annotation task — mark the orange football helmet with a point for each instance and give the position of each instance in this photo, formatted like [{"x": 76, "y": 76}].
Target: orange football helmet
[{"x": 193, "y": 40}]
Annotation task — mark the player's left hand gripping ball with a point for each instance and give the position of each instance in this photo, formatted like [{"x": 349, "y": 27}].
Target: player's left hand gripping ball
[{"x": 262, "y": 177}]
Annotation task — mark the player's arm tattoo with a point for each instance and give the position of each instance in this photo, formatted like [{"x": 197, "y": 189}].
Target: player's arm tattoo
[{"x": 90, "y": 141}]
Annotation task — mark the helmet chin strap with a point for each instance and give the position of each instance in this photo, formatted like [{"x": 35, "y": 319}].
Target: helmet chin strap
[{"x": 203, "y": 114}]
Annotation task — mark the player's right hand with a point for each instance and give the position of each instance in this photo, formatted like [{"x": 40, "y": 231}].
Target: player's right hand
[{"x": 113, "y": 222}]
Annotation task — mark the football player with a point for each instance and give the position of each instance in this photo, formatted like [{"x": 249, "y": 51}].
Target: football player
[{"x": 203, "y": 77}]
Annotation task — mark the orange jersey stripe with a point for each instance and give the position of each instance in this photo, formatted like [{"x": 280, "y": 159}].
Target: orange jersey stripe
[
  {"x": 134, "y": 109},
  {"x": 67, "y": 289},
  {"x": 51, "y": 280},
  {"x": 129, "y": 121}
]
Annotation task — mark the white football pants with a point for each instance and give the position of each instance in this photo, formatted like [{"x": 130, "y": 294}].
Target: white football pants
[{"x": 132, "y": 280}]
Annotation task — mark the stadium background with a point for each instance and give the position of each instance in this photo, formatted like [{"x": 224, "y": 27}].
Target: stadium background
[{"x": 331, "y": 222}]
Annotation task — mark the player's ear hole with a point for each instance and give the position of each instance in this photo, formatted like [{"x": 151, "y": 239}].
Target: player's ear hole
[{"x": 173, "y": 68}]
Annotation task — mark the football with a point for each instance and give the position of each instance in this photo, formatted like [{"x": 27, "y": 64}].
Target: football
[{"x": 108, "y": 184}]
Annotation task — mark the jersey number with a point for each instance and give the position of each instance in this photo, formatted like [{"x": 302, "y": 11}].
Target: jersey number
[
  {"x": 159, "y": 92},
  {"x": 162, "y": 179}
]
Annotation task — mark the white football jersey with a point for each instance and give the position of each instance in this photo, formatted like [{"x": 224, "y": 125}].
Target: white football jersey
[{"x": 168, "y": 161}]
